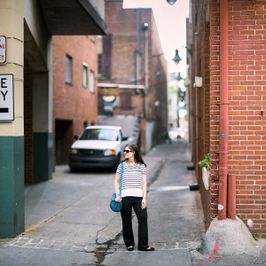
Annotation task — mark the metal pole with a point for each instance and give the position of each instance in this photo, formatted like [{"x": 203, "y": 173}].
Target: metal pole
[
  {"x": 146, "y": 70},
  {"x": 231, "y": 197}
]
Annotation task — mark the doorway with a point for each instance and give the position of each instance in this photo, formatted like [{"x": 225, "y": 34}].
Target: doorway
[{"x": 63, "y": 140}]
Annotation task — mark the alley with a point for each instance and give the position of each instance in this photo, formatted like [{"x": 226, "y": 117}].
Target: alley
[
  {"x": 70, "y": 222},
  {"x": 175, "y": 214}
]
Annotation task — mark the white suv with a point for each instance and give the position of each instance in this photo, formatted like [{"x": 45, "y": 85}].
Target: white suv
[{"x": 98, "y": 147}]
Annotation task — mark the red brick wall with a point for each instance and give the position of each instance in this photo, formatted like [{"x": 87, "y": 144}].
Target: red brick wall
[
  {"x": 204, "y": 111},
  {"x": 247, "y": 97},
  {"x": 121, "y": 23},
  {"x": 214, "y": 107},
  {"x": 73, "y": 102}
]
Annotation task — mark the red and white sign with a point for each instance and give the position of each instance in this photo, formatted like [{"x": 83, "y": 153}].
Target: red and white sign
[{"x": 2, "y": 49}]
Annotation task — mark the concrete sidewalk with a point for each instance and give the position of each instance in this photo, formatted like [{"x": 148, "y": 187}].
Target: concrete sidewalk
[{"x": 175, "y": 214}]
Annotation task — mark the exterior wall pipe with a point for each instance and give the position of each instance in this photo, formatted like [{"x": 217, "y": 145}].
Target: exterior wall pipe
[
  {"x": 223, "y": 133},
  {"x": 231, "y": 214}
]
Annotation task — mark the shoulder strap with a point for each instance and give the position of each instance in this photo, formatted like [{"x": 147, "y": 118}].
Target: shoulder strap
[{"x": 121, "y": 176}]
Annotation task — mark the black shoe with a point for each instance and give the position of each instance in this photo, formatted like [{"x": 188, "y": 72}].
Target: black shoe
[
  {"x": 130, "y": 248},
  {"x": 147, "y": 249}
]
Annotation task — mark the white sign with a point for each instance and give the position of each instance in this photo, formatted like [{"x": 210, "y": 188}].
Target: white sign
[
  {"x": 6, "y": 97},
  {"x": 2, "y": 49}
]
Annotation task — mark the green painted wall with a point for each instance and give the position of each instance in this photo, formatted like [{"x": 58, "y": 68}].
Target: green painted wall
[
  {"x": 42, "y": 156},
  {"x": 11, "y": 186}
]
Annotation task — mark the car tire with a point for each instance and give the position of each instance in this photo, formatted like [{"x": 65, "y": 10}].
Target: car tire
[
  {"x": 118, "y": 160},
  {"x": 73, "y": 169}
]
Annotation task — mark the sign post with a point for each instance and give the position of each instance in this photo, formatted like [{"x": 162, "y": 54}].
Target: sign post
[
  {"x": 6, "y": 97},
  {"x": 2, "y": 49}
]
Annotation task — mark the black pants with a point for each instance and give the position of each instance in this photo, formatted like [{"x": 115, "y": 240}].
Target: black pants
[{"x": 127, "y": 204}]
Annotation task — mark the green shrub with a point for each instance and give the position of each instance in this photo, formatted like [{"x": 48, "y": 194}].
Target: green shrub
[{"x": 205, "y": 162}]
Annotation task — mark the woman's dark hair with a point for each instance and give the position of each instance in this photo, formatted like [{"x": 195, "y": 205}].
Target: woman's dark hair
[{"x": 137, "y": 155}]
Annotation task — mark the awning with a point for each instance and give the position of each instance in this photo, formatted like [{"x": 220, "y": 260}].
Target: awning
[
  {"x": 103, "y": 91},
  {"x": 72, "y": 17},
  {"x": 121, "y": 86},
  {"x": 113, "y": 89}
]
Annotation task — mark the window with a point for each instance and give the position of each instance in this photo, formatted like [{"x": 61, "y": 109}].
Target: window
[
  {"x": 100, "y": 65},
  {"x": 85, "y": 124},
  {"x": 85, "y": 79},
  {"x": 69, "y": 66},
  {"x": 100, "y": 134},
  {"x": 91, "y": 81}
]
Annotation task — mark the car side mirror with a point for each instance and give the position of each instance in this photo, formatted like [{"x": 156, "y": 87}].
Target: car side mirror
[
  {"x": 76, "y": 137},
  {"x": 124, "y": 138}
]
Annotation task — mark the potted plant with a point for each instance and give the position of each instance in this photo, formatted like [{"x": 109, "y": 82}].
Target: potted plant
[{"x": 205, "y": 165}]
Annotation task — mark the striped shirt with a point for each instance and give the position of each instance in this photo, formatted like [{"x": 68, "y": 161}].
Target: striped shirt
[{"x": 132, "y": 179}]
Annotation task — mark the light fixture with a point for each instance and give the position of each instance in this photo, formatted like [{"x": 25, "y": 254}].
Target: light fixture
[
  {"x": 157, "y": 103},
  {"x": 177, "y": 58},
  {"x": 145, "y": 26},
  {"x": 171, "y": 2},
  {"x": 178, "y": 76}
]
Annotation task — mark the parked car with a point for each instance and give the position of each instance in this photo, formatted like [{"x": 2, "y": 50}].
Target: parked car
[
  {"x": 177, "y": 133},
  {"x": 98, "y": 147}
]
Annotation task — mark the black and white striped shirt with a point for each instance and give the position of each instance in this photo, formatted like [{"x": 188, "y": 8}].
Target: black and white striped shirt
[{"x": 132, "y": 179}]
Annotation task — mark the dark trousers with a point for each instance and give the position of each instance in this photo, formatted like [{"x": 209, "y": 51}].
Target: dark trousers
[{"x": 127, "y": 204}]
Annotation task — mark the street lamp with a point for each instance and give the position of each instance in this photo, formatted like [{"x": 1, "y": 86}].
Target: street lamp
[
  {"x": 177, "y": 58},
  {"x": 171, "y": 2},
  {"x": 145, "y": 26},
  {"x": 178, "y": 76}
]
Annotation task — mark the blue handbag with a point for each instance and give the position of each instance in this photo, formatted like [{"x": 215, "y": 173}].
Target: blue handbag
[{"x": 117, "y": 206}]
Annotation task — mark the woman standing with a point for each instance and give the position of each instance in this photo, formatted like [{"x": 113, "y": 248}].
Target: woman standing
[{"x": 133, "y": 195}]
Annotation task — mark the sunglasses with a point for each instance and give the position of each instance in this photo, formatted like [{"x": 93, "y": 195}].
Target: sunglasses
[{"x": 127, "y": 151}]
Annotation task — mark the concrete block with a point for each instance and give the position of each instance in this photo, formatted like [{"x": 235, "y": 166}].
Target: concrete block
[{"x": 229, "y": 237}]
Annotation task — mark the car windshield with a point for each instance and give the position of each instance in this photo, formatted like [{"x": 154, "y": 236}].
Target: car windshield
[{"x": 100, "y": 134}]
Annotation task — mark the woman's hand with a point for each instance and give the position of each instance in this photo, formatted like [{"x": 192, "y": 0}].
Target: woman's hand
[
  {"x": 118, "y": 198},
  {"x": 143, "y": 203}
]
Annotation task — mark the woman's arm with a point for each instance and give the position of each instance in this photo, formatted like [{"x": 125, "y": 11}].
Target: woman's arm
[
  {"x": 144, "y": 189},
  {"x": 117, "y": 187}
]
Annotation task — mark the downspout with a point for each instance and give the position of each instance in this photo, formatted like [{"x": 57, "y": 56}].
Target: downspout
[
  {"x": 138, "y": 45},
  {"x": 223, "y": 134}
]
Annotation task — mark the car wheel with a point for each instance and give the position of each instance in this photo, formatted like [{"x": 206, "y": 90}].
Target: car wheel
[
  {"x": 73, "y": 169},
  {"x": 117, "y": 162}
]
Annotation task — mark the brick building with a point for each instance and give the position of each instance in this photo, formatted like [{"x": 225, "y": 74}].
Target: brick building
[
  {"x": 132, "y": 69},
  {"x": 74, "y": 90},
  {"x": 227, "y": 49}
]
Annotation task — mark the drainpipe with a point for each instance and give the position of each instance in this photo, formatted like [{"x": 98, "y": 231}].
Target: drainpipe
[
  {"x": 231, "y": 212},
  {"x": 137, "y": 50},
  {"x": 223, "y": 134}
]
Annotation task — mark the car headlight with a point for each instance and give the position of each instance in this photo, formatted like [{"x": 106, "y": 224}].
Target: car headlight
[
  {"x": 74, "y": 151},
  {"x": 109, "y": 153}
]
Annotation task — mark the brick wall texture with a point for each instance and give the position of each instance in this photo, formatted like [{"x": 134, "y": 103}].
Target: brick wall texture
[
  {"x": 247, "y": 107},
  {"x": 73, "y": 102},
  {"x": 122, "y": 26}
]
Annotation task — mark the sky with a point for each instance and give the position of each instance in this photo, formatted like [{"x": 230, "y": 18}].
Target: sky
[{"x": 171, "y": 25}]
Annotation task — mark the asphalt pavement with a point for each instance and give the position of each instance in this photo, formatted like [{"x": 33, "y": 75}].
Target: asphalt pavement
[{"x": 68, "y": 220}]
